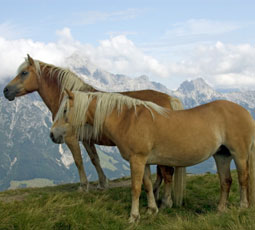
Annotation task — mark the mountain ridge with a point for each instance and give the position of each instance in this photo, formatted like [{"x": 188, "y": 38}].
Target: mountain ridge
[{"x": 28, "y": 153}]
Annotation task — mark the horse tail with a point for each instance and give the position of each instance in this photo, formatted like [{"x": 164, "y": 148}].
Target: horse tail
[
  {"x": 251, "y": 165},
  {"x": 176, "y": 104},
  {"x": 179, "y": 185}
]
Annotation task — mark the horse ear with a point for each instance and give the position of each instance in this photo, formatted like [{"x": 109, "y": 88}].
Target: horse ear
[
  {"x": 30, "y": 60},
  {"x": 69, "y": 94}
]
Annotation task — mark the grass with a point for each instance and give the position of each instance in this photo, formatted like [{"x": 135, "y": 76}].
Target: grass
[{"x": 64, "y": 208}]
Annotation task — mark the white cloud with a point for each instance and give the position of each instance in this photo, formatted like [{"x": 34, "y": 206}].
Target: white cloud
[
  {"x": 120, "y": 55},
  {"x": 65, "y": 35},
  {"x": 223, "y": 65},
  {"x": 116, "y": 55},
  {"x": 201, "y": 27},
  {"x": 12, "y": 53},
  {"x": 92, "y": 17},
  {"x": 11, "y": 31}
]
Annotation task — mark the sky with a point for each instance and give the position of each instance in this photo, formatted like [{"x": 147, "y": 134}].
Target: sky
[{"x": 169, "y": 41}]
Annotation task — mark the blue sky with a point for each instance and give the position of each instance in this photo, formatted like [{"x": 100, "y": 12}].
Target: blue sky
[{"x": 170, "y": 41}]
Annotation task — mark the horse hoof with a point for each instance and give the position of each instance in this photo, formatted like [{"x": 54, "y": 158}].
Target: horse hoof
[
  {"x": 165, "y": 204},
  {"x": 134, "y": 219},
  {"x": 152, "y": 210},
  {"x": 103, "y": 185},
  {"x": 83, "y": 188},
  {"x": 244, "y": 205},
  {"x": 222, "y": 208}
]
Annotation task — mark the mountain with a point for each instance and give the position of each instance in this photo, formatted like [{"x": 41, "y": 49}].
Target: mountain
[
  {"x": 28, "y": 156},
  {"x": 106, "y": 81},
  {"x": 196, "y": 92}
]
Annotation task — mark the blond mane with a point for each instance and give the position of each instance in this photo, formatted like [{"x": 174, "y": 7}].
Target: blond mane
[
  {"x": 105, "y": 104},
  {"x": 66, "y": 79}
]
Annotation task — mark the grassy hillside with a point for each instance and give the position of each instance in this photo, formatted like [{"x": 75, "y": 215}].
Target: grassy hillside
[{"x": 62, "y": 207}]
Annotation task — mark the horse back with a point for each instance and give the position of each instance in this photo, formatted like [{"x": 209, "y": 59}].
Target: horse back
[
  {"x": 197, "y": 133},
  {"x": 156, "y": 97}
]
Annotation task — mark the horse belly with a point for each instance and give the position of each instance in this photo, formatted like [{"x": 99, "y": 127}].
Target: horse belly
[{"x": 183, "y": 154}]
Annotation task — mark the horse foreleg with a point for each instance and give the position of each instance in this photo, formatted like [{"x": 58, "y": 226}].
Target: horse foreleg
[
  {"x": 74, "y": 146},
  {"x": 223, "y": 159},
  {"x": 92, "y": 152},
  {"x": 152, "y": 206},
  {"x": 167, "y": 173},
  {"x": 137, "y": 166}
]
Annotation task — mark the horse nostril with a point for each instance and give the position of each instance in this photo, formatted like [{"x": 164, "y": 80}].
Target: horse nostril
[
  {"x": 51, "y": 136},
  {"x": 6, "y": 90}
]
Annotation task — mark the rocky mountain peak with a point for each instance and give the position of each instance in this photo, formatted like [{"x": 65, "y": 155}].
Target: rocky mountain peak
[
  {"x": 198, "y": 85},
  {"x": 195, "y": 92}
]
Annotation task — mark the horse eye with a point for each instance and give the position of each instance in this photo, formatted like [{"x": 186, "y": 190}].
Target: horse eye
[{"x": 24, "y": 73}]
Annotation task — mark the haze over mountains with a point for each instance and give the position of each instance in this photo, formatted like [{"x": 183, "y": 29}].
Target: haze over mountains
[{"x": 27, "y": 153}]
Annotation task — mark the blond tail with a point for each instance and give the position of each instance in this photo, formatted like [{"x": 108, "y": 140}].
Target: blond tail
[{"x": 179, "y": 187}]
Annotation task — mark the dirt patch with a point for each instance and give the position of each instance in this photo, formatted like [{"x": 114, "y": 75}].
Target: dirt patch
[
  {"x": 12, "y": 198},
  {"x": 111, "y": 184},
  {"x": 123, "y": 183}
]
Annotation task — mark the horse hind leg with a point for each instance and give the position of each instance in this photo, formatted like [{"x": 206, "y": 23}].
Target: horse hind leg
[
  {"x": 252, "y": 176},
  {"x": 92, "y": 152},
  {"x": 152, "y": 206},
  {"x": 167, "y": 173},
  {"x": 158, "y": 182},
  {"x": 241, "y": 161},
  {"x": 223, "y": 160}
]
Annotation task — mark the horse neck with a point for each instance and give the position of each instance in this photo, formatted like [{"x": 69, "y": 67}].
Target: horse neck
[
  {"x": 50, "y": 95},
  {"x": 49, "y": 92}
]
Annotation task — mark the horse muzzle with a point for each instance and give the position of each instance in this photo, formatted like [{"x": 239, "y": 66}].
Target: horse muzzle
[
  {"x": 56, "y": 139},
  {"x": 10, "y": 92}
]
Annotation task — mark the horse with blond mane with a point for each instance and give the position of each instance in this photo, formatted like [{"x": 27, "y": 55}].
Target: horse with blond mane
[
  {"x": 49, "y": 81},
  {"x": 146, "y": 133}
]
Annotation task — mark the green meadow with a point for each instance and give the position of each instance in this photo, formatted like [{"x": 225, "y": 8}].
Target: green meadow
[{"x": 64, "y": 208}]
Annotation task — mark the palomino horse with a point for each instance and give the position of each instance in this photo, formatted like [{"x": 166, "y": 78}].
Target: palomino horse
[
  {"x": 150, "y": 134},
  {"x": 49, "y": 81}
]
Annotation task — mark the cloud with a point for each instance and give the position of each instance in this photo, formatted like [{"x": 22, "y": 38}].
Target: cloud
[
  {"x": 11, "y": 31},
  {"x": 12, "y": 53},
  {"x": 194, "y": 27},
  {"x": 120, "y": 55},
  {"x": 92, "y": 17},
  {"x": 222, "y": 65},
  {"x": 117, "y": 55},
  {"x": 65, "y": 35}
]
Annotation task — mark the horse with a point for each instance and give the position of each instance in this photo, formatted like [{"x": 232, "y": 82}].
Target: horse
[
  {"x": 49, "y": 81},
  {"x": 151, "y": 134}
]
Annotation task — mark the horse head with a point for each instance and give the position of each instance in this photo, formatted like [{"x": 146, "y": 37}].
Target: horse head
[
  {"x": 25, "y": 82},
  {"x": 61, "y": 127}
]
